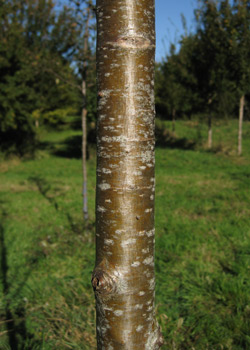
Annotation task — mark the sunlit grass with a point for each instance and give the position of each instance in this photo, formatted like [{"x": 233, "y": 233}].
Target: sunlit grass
[{"x": 202, "y": 244}]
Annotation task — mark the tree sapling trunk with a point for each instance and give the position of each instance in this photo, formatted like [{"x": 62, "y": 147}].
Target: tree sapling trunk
[
  {"x": 123, "y": 278},
  {"x": 84, "y": 119},
  {"x": 241, "y": 114},
  {"x": 210, "y": 132},
  {"x": 173, "y": 119}
]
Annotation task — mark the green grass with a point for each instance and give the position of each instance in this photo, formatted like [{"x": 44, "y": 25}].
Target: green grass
[{"x": 202, "y": 245}]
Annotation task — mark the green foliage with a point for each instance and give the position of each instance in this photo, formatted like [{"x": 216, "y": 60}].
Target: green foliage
[
  {"x": 38, "y": 78},
  {"x": 202, "y": 245},
  {"x": 211, "y": 70},
  {"x": 239, "y": 46},
  {"x": 58, "y": 116},
  {"x": 212, "y": 54},
  {"x": 176, "y": 83}
]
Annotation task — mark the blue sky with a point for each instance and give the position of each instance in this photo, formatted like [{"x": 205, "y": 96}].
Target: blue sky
[{"x": 169, "y": 24}]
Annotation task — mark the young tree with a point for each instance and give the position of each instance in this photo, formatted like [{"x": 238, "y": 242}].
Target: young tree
[
  {"x": 84, "y": 116},
  {"x": 210, "y": 57},
  {"x": 83, "y": 15},
  {"x": 169, "y": 88},
  {"x": 224, "y": 30},
  {"x": 30, "y": 32},
  {"x": 240, "y": 57},
  {"x": 123, "y": 278},
  {"x": 241, "y": 114},
  {"x": 176, "y": 83},
  {"x": 78, "y": 16}
]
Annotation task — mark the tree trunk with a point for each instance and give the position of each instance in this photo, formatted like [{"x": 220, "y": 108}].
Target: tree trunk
[
  {"x": 84, "y": 162},
  {"x": 173, "y": 120},
  {"x": 241, "y": 113},
  {"x": 84, "y": 120},
  {"x": 210, "y": 132},
  {"x": 124, "y": 279}
]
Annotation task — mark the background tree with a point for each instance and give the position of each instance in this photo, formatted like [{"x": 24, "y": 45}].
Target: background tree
[
  {"x": 83, "y": 59},
  {"x": 169, "y": 91},
  {"x": 176, "y": 84},
  {"x": 225, "y": 32},
  {"x": 30, "y": 31},
  {"x": 206, "y": 75},
  {"x": 123, "y": 278},
  {"x": 210, "y": 58},
  {"x": 240, "y": 56}
]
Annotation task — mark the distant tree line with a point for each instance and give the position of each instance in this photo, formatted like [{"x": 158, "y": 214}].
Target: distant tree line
[
  {"x": 42, "y": 64},
  {"x": 209, "y": 76},
  {"x": 47, "y": 68}
]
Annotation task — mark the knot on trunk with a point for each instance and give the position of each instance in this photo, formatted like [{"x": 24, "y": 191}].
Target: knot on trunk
[
  {"x": 102, "y": 282},
  {"x": 105, "y": 280}
]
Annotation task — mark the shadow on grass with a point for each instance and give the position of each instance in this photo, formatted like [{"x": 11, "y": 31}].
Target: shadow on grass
[
  {"x": 180, "y": 143},
  {"x": 9, "y": 319},
  {"x": 166, "y": 139},
  {"x": 44, "y": 188},
  {"x": 72, "y": 146},
  {"x": 47, "y": 146},
  {"x": 14, "y": 319}
]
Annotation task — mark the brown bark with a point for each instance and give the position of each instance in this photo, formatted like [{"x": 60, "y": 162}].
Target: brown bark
[
  {"x": 210, "y": 132},
  {"x": 84, "y": 163},
  {"x": 124, "y": 279},
  {"x": 241, "y": 113},
  {"x": 173, "y": 119}
]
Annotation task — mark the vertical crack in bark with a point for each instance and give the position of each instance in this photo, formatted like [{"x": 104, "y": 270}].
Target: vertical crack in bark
[{"x": 123, "y": 279}]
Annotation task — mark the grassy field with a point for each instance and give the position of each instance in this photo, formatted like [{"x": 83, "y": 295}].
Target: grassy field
[{"x": 202, "y": 244}]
